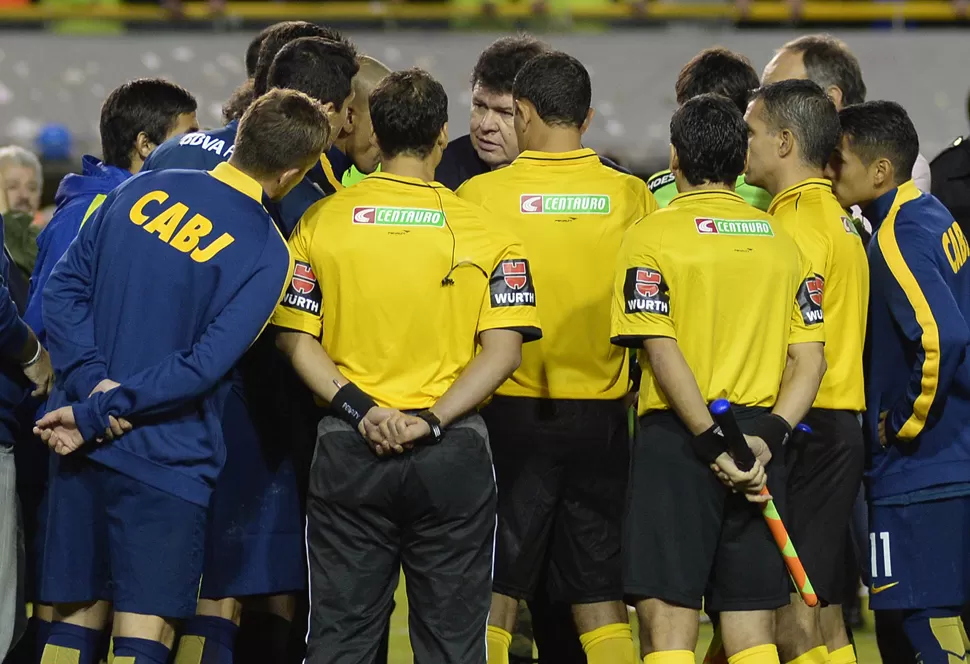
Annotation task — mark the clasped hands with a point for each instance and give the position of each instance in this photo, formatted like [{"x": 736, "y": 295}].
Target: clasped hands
[
  {"x": 58, "y": 428},
  {"x": 389, "y": 431},
  {"x": 750, "y": 482}
]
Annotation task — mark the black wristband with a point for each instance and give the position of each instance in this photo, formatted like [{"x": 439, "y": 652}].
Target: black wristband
[
  {"x": 709, "y": 445},
  {"x": 771, "y": 428},
  {"x": 351, "y": 404},
  {"x": 437, "y": 432}
]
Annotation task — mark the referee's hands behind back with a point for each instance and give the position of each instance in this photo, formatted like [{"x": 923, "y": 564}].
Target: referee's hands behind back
[
  {"x": 751, "y": 482},
  {"x": 389, "y": 431}
]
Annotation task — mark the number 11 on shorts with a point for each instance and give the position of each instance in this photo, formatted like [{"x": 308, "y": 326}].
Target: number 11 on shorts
[{"x": 887, "y": 563}]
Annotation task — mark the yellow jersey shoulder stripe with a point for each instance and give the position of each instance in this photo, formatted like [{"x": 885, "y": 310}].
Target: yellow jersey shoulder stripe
[
  {"x": 930, "y": 338},
  {"x": 95, "y": 204}
]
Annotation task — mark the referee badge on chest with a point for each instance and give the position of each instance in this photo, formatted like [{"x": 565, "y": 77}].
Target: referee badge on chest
[
  {"x": 303, "y": 292},
  {"x": 645, "y": 292}
]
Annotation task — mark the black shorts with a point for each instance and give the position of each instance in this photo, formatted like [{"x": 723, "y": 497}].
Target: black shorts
[
  {"x": 562, "y": 468},
  {"x": 687, "y": 538},
  {"x": 824, "y": 474},
  {"x": 430, "y": 511}
]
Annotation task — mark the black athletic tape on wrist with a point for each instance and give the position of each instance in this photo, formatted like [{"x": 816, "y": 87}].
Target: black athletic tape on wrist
[
  {"x": 709, "y": 445},
  {"x": 351, "y": 404},
  {"x": 771, "y": 428}
]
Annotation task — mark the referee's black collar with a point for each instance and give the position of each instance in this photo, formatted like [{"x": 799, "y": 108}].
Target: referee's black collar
[
  {"x": 573, "y": 156},
  {"x": 705, "y": 194},
  {"x": 403, "y": 179},
  {"x": 797, "y": 190}
]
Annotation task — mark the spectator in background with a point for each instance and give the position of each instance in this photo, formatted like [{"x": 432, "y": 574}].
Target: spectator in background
[
  {"x": 830, "y": 64},
  {"x": 22, "y": 177},
  {"x": 951, "y": 179}
]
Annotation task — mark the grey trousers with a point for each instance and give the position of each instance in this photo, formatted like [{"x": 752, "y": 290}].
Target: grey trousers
[{"x": 13, "y": 617}]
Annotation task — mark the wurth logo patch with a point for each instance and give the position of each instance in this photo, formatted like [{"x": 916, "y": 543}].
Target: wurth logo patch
[
  {"x": 511, "y": 284},
  {"x": 304, "y": 293},
  {"x": 645, "y": 291},
  {"x": 810, "y": 296}
]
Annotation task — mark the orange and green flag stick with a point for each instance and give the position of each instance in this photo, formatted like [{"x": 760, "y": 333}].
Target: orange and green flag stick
[{"x": 744, "y": 459}]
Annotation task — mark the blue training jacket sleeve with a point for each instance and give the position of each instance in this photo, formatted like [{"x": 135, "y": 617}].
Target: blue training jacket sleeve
[
  {"x": 924, "y": 308},
  {"x": 67, "y": 314},
  {"x": 187, "y": 375},
  {"x": 13, "y": 330}
]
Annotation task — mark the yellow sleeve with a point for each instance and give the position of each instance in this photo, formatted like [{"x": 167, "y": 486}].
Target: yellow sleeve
[
  {"x": 471, "y": 192},
  {"x": 807, "y": 316},
  {"x": 649, "y": 202},
  {"x": 510, "y": 299},
  {"x": 302, "y": 306},
  {"x": 641, "y": 293}
]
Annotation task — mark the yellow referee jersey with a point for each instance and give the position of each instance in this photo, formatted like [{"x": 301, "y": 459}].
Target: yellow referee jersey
[
  {"x": 724, "y": 280},
  {"x": 810, "y": 213},
  {"x": 571, "y": 212},
  {"x": 397, "y": 277}
]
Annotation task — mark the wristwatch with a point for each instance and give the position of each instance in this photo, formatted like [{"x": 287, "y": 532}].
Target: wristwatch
[{"x": 437, "y": 433}]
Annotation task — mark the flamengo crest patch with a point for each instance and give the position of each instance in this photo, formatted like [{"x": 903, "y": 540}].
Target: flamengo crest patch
[
  {"x": 706, "y": 226},
  {"x": 564, "y": 204},
  {"x": 303, "y": 292},
  {"x": 398, "y": 216},
  {"x": 646, "y": 292},
  {"x": 511, "y": 284},
  {"x": 810, "y": 295}
]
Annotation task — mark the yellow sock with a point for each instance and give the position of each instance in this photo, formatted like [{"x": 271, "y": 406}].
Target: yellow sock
[
  {"x": 963, "y": 633},
  {"x": 60, "y": 655},
  {"x": 610, "y": 644},
  {"x": 818, "y": 655},
  {"x": 767, "y": 654},
  {"x": 497, "y": 641},
  {"x": 845, "y": 655},
  {"x": 670, "y": 657}
]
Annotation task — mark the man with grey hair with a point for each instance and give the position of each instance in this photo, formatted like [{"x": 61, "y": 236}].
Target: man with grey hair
[
  {"x": 828, "y": 62},
  {"x": 22, "y": 178}
]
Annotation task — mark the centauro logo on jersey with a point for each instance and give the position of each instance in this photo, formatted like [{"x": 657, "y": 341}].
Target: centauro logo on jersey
[
  {"x": 706, "y": 226},
  {"x": 564, "y": 204},
  {"x": 511, "y": 284},
  {"x": 398, "y": 216}
]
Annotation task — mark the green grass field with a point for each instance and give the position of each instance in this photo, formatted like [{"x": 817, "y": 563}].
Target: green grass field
[{"x": 400, "y": 650}]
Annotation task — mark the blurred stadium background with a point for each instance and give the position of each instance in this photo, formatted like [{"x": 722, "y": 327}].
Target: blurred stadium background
[{"x": 59, "y": 58}]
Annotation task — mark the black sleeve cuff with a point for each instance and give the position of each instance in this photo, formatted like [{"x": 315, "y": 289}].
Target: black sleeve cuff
[
  {"x": 629, "y": 340},
  {"x": 528, "y": 333}
]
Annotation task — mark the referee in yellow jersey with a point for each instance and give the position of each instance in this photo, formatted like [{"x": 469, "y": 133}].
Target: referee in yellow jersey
[
  {"x": 396, "y": 282},
  {"x": 558, "y": 427},
  {"x": 793, "y": 128},
  {"x": 707, "y": 290}
]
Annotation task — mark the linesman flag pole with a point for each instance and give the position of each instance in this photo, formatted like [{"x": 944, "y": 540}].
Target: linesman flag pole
[{"x": 744, "y": 459}]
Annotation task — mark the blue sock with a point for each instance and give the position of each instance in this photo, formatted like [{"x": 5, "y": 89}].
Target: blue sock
[
  {"x": 138, "y": 651},
  {"x": 43, "y": 630},
  {"x": 66, "y": 642},
  {"x": 936, "y": 635},
  {"x": 207, "y": 640}
]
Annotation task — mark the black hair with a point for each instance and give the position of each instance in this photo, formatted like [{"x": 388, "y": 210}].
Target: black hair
[
  {"x": 238, "y": 102},
  {"x": 719, "y": 71},
  {"x": 828, "y": 61},
  {"x": 252, "y": 51},
  {"x": 408, "y": 110},
  {"x": 498, "y": 64},
  {"x": 321, "y": 68},
  {"x": 882, "y": 129},
  {"x": 711, "y": 139},
  {"x": 803, "y": 108},
  {"x": 150, "y": 105},
  {"x": 282, "y": 34},
  {"x": 558, "y": 85}
]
